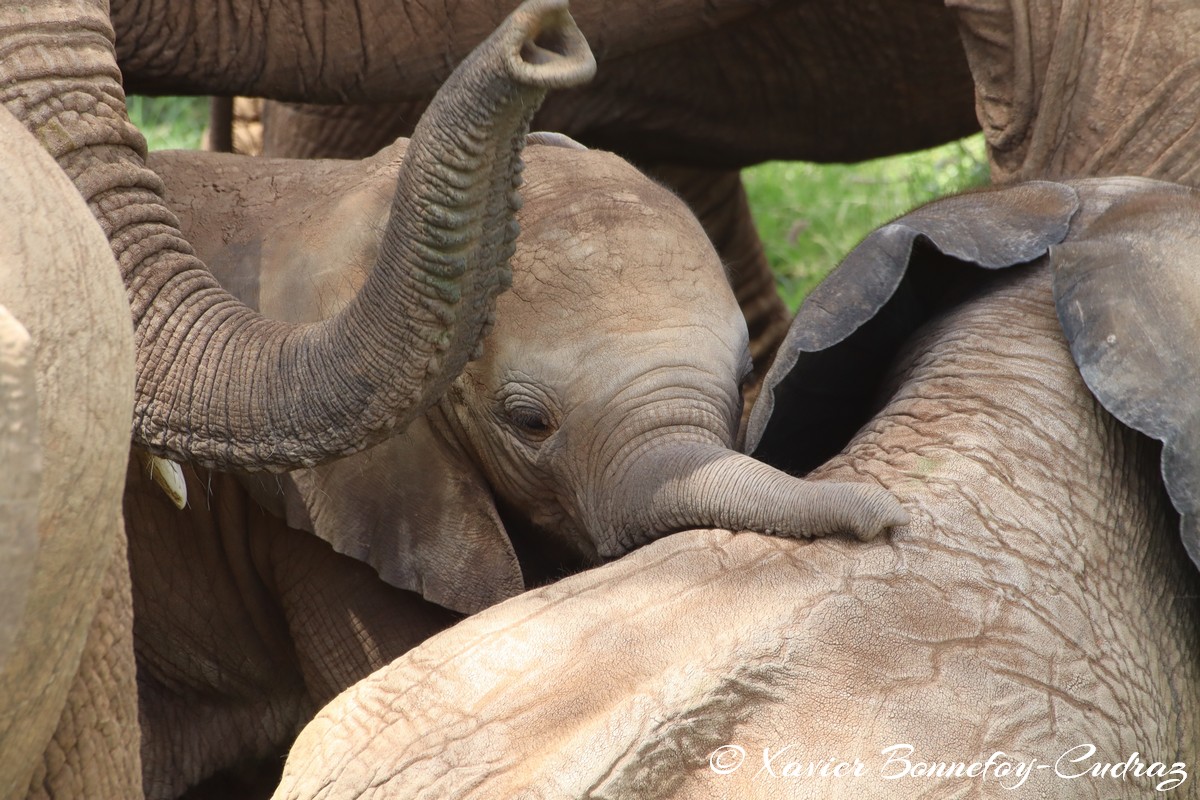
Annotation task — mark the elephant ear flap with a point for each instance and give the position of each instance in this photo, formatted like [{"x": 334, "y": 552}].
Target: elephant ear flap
[
  {"x": 417, "y": 511},
  {"x": 1127, "y": 291},
  {"x": 898, "y": 277}
]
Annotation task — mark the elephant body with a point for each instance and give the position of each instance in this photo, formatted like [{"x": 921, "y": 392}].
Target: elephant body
[
  {"x": 1038, "y": 602},
  {"x": 268, "y": 395},
  {"x": 68, "y": 716}
]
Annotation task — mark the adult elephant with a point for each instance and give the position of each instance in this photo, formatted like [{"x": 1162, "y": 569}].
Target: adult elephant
[
  {"x": 1080, "y": 89},
  {"x": 692, "y": 104},
  {"x": 218, "y": 384},
  {"x": 67, "y": 692},
  {"x": 1038, "y": 611}
]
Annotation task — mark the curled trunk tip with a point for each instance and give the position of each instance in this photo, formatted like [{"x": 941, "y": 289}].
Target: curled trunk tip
[
  {"x": 708, "y": 486},
  {"x": 545, "y": 48}
]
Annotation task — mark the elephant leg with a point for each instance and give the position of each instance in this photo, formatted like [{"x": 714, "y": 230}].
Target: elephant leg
[
  {"x": 217, "y": 680},
  {"x": 94, "y": 751},
  {"x": 304, "y": 130},
  {"x": 718, "y": 199}
]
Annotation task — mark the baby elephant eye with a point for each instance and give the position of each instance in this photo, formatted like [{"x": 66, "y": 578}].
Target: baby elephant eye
[{"x": 528, "y": 418}]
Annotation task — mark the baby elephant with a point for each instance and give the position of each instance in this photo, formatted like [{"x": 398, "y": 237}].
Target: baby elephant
[{"x": 600, "y": 415}]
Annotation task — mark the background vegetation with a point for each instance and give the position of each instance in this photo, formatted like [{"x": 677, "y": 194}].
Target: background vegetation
[{"x": 809, "y": 215}]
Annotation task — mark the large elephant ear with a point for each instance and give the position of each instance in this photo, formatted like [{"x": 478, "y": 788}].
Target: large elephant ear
[
  {"x": 413, "y": 508},
  {"x": 824, "y": 377},
  {"x": 1127, "y": 290}
]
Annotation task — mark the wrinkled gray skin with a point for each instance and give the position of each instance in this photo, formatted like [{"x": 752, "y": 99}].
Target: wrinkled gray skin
[
  {"x": 217, "y": 383},
  {"x": 1090, "y": 88},
  {"x": 691, "y": 90},
  {"x": 68, "y": 716},
  {"x": 1038, "y": 601},
  {"x": 601, "y": 414},
  {"x": 243, "y": 629}
]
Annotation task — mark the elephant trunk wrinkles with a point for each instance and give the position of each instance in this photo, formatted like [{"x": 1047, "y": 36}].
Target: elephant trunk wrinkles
[
  {"x": 696, "y": 485},
  {"x": 220, "y": 385}
]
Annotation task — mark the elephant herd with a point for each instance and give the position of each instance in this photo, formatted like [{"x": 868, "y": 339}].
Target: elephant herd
[{"x": 488, "y": 441}]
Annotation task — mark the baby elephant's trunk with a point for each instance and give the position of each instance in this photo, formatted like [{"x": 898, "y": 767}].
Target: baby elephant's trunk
[{"x": 694, "y": 485}]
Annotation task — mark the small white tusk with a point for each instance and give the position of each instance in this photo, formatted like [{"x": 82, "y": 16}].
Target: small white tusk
[{"x": 168, "y": 475}]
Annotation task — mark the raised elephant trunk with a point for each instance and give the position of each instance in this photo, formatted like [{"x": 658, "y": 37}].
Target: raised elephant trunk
[
  {"x": 696, "y": 485},
  {"x": 217, "y": 383}
]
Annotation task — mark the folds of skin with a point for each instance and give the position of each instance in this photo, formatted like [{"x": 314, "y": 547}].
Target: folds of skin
[
  {"x": 783, "y": 80},
  {"x": 334, "y": 51},
  {"x": 717, "y": 197},
  {"x": 1038, "y": 600},
  {"x": 220, "y": 385},
  {"x": 1081, "y": 88},
  {"x": 694, "y": 484},
  {"x": 68, "y": 723}
]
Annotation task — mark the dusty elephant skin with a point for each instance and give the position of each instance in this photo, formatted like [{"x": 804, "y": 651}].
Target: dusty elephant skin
[
  {"x": 218, "y": 384},
  {"x": 68, "y": 724},
  {"x": 1062, "y": 90},
  {"x": 1038, "y": 602},
  {"x": 740, "y": 79}
]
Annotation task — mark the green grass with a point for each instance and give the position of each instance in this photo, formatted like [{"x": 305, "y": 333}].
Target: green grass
[
  {"x": 809, "y": 215},
  {"x": 169, "y": 123}
]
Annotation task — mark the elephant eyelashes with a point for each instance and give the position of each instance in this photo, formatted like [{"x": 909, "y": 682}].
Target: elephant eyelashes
[
  {"x": 528, "y": 416},
  {"x": 529, "y": 419}
]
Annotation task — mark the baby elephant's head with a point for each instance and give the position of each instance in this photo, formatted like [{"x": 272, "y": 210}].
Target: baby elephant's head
[
  {"x": 615, "y": 366},
  {"x": 601, "y": 414}
]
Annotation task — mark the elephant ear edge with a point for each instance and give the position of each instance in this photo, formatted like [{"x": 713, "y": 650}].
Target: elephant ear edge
[
  {"x": 991, "y": 228},
  {"x": 1127, "y": 293},
  {"x": 415, "y": 510}
]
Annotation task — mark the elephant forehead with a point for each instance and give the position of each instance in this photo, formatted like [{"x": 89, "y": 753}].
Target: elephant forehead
[
  {"x": 591, "y": 220},
  {"x": 622, "y": 266}
]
